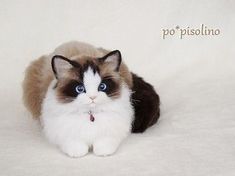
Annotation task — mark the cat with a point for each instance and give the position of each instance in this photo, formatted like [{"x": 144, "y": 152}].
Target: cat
[{"x": 86, "y": 98}]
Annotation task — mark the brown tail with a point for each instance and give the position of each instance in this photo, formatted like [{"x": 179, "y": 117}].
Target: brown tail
[{"x": 38, "y": 76}]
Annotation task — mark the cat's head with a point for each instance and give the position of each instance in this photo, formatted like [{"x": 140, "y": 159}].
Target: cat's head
[{"x": 88, "y": 81}]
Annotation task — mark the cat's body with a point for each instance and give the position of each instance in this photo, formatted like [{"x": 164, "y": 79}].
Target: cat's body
[{"x": 88, "y": 100}]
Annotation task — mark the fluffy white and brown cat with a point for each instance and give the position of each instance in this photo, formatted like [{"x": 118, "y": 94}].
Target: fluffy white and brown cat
[{"x": 86, "y": 98}]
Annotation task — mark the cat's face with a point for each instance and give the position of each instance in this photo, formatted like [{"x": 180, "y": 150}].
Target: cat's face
[{"x": 87, "y": 81}]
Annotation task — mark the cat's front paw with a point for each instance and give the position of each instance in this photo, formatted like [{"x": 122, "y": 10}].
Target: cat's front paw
[
  {"x": 105, "y": 147},
  {"x": 75, "y": 149}
]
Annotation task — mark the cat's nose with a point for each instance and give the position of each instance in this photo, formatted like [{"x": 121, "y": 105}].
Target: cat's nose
[{"x": 92, "y": 97}]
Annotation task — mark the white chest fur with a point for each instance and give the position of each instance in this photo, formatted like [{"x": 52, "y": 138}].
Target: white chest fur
[{"x": 73, "y": 131}]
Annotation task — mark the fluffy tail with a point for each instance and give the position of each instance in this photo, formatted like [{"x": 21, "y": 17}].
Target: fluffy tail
[{"x": 38, "y": 76}]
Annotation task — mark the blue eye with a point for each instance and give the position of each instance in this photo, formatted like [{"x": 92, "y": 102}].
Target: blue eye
[
  {"x": 102, "y": 87},
  {"x": 80, "y": 89}
]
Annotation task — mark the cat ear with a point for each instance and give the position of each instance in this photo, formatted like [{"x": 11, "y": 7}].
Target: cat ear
[
  {"x": 113, "y": 59},
  {"x": 60, "y": 65}
]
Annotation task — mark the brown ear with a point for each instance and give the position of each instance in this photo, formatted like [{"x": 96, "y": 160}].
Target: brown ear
[
  {"x": 113, "y": 58},
  {"x": 60, "y": 65}
]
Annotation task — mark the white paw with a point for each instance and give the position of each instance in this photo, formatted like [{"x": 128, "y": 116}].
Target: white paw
[
  {"x": 105, "y": 147},
  {"x": 75, "y": 149}
]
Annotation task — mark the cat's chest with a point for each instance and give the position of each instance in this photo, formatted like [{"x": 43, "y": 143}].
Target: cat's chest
[
  {"x": 88, "y": 126},
  {"x": 87, "y": 121}
]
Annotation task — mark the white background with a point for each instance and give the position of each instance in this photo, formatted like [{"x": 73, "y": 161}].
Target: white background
[{"x": 195, "y": 78}]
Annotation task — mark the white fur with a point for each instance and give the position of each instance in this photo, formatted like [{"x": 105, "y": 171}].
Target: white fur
[{"x": 68, "y": 124}]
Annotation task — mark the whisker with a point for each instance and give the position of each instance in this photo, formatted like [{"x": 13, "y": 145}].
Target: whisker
[
  {"x": 135, "y": 100},
  {"x": 114, "y": 93},
  {"x": 110, "y": 77},
  {"x": 133, "y": 92}
]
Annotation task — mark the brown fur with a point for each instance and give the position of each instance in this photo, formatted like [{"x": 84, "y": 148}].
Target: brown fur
[
  {"x": 35, "y": 84},
  {"x": 105, "y": 69},
  {"x": 39, "y": 73},
  {"x": 74, "y": 75}
]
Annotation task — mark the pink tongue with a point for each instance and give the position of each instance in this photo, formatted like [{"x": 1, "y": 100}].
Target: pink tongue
[{"x": 92, "y": 118}]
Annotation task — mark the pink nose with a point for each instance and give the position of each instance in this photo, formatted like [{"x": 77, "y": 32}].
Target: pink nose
[{"x": 92, "y": 97}]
